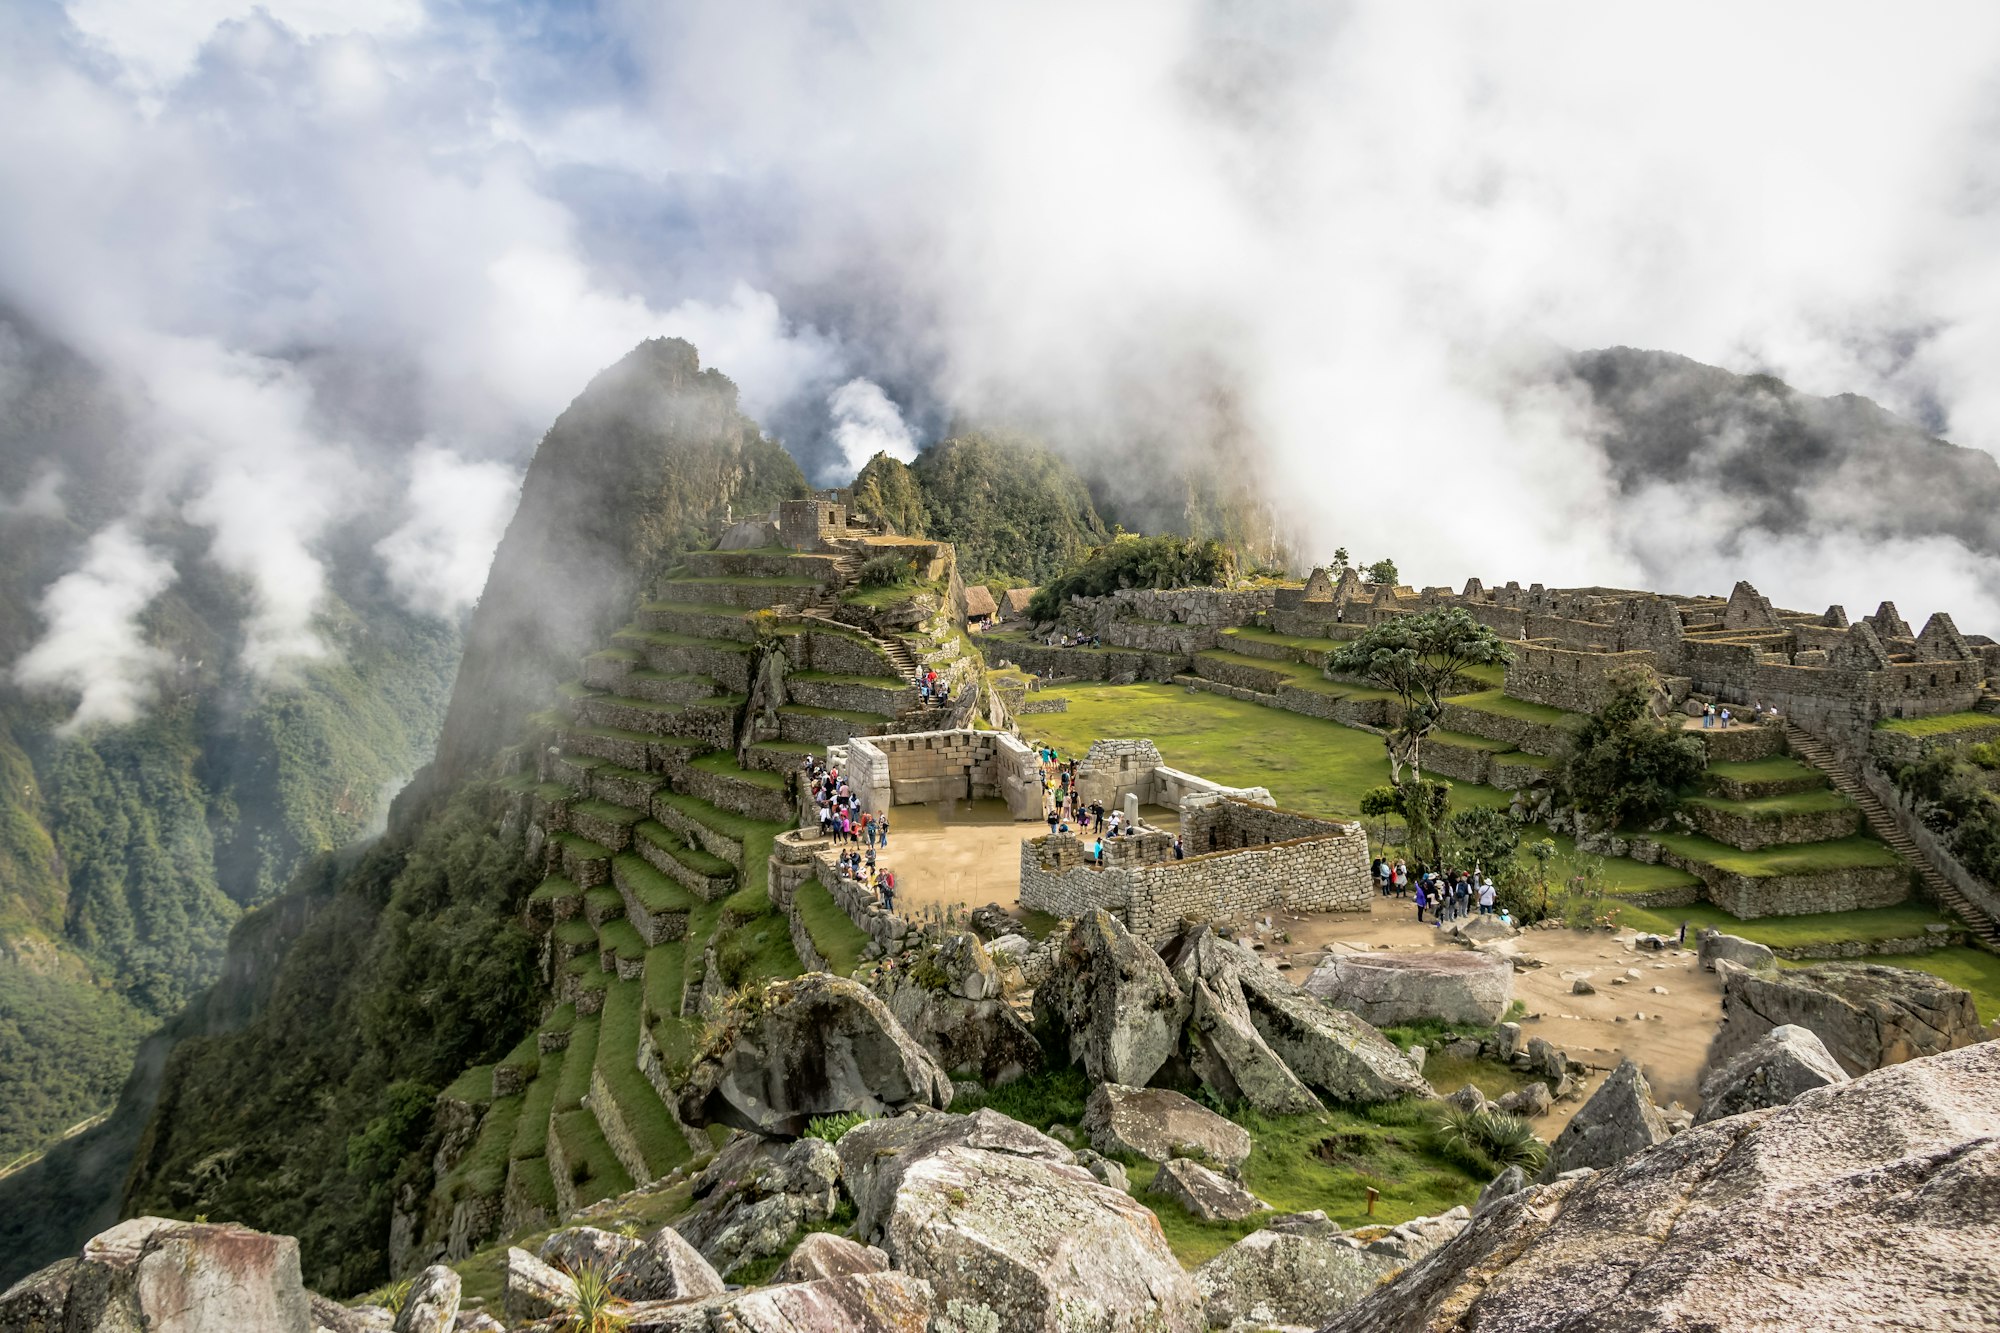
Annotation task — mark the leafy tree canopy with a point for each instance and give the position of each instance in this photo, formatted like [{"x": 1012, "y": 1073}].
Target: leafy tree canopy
[
  {"x": 1137, "y": 562},
  {"x": 1382, "y": 573},
  {"x": 1418, "y": 657},
  {"x": 1625, "y": 765}
]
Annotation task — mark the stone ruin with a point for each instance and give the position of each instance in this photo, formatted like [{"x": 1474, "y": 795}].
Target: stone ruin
[
  {"x": 1243, "y": 858},
  {"x": 917, "y": 768}
]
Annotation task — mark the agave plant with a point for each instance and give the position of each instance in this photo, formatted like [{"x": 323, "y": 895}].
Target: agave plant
[
  {"x": 831, "y": 1127},
  {"x": 1509, "y": 1141},
  {"x": 596, "y": 1309}
]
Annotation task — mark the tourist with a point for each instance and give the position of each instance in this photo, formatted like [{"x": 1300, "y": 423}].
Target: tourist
[
  {"x": 1053, "y": 819},
  {"x": 1402, "y": 877},
  {"x": 1486, "y": 896},
  {"x": 1423, "y": 901},
  {"x": 889, "y": 892},
  {"x": 1381, "y": 872},
  {"x": 1725, "y": 719},
  {"x": 1178, "y": 853},
  {"x": 1707, "y": 715},
  {"x": 1100, "y": 852}
]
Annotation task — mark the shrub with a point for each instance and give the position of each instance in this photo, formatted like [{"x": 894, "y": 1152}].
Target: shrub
[
  {"x": 1486, "y": 1142},
  {"x": 595, "y": 1309},
  {"x": 832, "y": 1127},
  {"x": 885, "y": 571}
]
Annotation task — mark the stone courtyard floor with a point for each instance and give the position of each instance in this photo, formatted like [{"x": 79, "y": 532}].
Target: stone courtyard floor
[{"x": 967, "y": 852}]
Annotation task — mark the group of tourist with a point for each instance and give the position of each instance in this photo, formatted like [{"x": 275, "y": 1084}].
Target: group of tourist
[
  {"x": 928, "y": 688},
  {"x": 1447, "y": 895},
  {"x": 1064, "y": 639},
  {"x": 1719, "y": 715},
  {"x": 842, "y": 819}
]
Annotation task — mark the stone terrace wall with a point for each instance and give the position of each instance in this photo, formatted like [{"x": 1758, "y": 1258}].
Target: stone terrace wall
[
  {"x": 1114, "y": 769},
  {"x": 1322, "y": 873}
]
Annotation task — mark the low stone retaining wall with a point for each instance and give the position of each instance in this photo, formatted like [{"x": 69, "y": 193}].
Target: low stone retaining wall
[
  {"x": 1752, "y": 834},
  {"x": 706, "y": 838},
  {"x": 1155, "y": 637},
  {"x": 698, "y": 624},
  {"x": 1512, "y": 772},
  {"x": 810, "y": 729},
  {"x": 887, "y": 699},
  {"x": 753, "y": 595},
  {"x": 1797, "y": 895},
  {"x": 1737, "y": 744},
  {"x": 1460, "y": 763},
  {"x": 658, "y": 689},
  {"x": 521, "y": 1207},
  {"x": 1543, "y": 738},
  {"x": 750, "y": 800},
  {"x": 1117, "y": 666},
  {"x": 624, "y": 1145},
  {"x": 1732, "y": 790},
  {"x": 761, "y": 565},
  {"x": 1261, "y": 679},
  {"x": 731, "y": 669},
  {"x": 834, "y": 653},
  {"x": 1272, "y": 651},
  {"x": 1034, "y": 704}
]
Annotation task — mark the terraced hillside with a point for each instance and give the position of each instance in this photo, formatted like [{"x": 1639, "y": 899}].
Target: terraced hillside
[{"x": 653, "y": 790}]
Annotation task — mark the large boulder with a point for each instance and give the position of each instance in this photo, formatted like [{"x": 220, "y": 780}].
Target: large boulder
[
  {"x": 1869, "y": 1204},
  {"x": 812, "y": 1046},
  {"x": 432, "y": 1303},
  {"x": 1113, "y": 1001},
  {"x": 755, "y": 1195},
  {"x": 1286, "y": 1277},
  {"x": 1019, "y": 1243},
  {"x": 977, "y": 1037},
  {"x": 35, "y": 1303},
  {"x": 173, "y": 1277},
  {"x": 874, "y": 1155},
  {"x": 1254, "y": 1036},
  {"x": 1226, "y": 1054},
  {"x": 851, "y": 1303},
  {"x": 1618, "y": 1120},
  {"x": 1785, "y": 1062},
  {"x": 1160, "y": 1125},
  {"x": 1331, "y": 1050},
  {"x": 1712, "y": 947},
  {"x": 1868, "y": 1015},
  {"x": 1204, "y": 1194},
  {"x": 1391, "y": 988},
  {"x": 534, "y": 1289},
  {"x": 822, "y": 1254}
]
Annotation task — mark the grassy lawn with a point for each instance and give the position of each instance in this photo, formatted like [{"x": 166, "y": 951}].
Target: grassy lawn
[
  {"x": 1801, "y": 859},
  {"x": 1312, "y": 766},
  {"x": 1296, "y": 674},
  {"x": 1816, "y": 801},
  {"x": 1501, "y": 704},
  {"x": 888, "y": 595},
  {"x": 1272, "y": 636},
  {"x": 1788, "y": 932},
  {"x": 660, "y": 1142},
  {"x": 837, "y": 938},
  {"x": 1296, "y": 1163},
  {"x": 1974, "y": 969},
  {"x": 1945, "y": 724},
  {"x": 1778, "y": 768}
]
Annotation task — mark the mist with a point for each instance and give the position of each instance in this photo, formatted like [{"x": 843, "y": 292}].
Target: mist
[{"x": 352, "y": 259}]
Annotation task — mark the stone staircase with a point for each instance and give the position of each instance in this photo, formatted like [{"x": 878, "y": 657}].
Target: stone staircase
[
  {"x": 1816, "y": 752},
  {"x": 1989, "y": 702}
]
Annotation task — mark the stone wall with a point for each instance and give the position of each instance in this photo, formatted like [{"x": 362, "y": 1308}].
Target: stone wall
[
  {"x": 760, "y": 565},
  {"x": 1731, "y": 824},
  {"x": 1795, "y": 895},
  {"x": 700, "y": 624},
  {"x": 1154, "y": 894},
  {"x": 1154, "y": 637},
  {"x": 917, "y": 768},
  {"x": 1114, "y": 769},
  {"x": 1570, "y": 680}
]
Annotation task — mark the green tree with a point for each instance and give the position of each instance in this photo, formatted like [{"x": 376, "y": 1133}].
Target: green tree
[
  {"x": 1485, "y": 837},
  {"x": 1382, "y": 573},
  {"x": 1424, "y": 806},
  {"x": 1625, "y": 765},
  {"x": 1418, "y": 658},
  {"x": 1136, "y": 562},
  {"x": 1340, "y": 557}
]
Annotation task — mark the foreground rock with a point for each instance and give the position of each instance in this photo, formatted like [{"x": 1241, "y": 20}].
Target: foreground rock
[
  {"x": 1388, "y": 989},
  {"x": 175, "y": 1277},
  {"x": 961, "y": 1020},
  {"x": 1160, "y": 1125},
  {"x": 535, "y": 1289},
  {"x": 851, "y": 1303},
  {"x": 816, "y": 1045},
  {"x": 874, "y": 1156},
  {"x": 1113, "y": 998},
  {"x": 1785, "y": 1062},
  {"x": 823, "y": 1254},
  {"x": 1012, "y": 1235},
  {"x": 1205, "y": 1195},
  {"x": 1870, "y": 1204},
  {"x": 1286, "y": 1277},
  {"x": 1868, "y": 1015},
  {"x": 1619, "y": 1120},
  {"x": 432, "y": 1303},
  {"x": 755, "y": 1196}
]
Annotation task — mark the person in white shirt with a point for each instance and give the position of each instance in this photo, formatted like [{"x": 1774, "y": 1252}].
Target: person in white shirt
[{"x": 1485, "y": 897}]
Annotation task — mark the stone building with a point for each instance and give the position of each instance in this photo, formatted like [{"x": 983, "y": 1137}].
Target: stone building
[
  {"x": 1243, "y": 859},
  {"x": 917, "y": 768}
]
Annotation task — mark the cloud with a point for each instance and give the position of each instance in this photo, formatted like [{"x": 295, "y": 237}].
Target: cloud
[
  {"x": 92, "y": 646},
  {"x": 1327, "y": 248},
  {"x": 456, "y": 512},
  {"x": 866, "y": 423}
]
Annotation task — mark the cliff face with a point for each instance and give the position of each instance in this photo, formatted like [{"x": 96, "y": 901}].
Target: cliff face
[
  {"x": 650, "y": 452},
  {"x": 291, "y": 1092}
]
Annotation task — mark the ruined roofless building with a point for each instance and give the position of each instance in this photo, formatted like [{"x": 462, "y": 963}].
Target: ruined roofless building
[{"x": 1833, "y": 677}]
